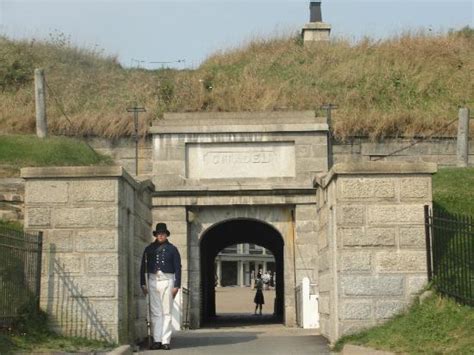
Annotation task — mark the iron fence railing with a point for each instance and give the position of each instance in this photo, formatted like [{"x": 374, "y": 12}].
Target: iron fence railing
[
  {"x": 450, "y": 250},
  {"x": 20, "y": 272}
]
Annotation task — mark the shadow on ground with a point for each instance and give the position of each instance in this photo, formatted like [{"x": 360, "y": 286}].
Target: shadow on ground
[{"x": 229, "y": 320}]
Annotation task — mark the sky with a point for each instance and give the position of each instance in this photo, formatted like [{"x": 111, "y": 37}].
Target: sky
[{"x": 185, "y": 32}]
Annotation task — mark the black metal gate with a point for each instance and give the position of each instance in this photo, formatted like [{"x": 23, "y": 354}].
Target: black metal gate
[
  {"x": 20, "y": 272},
  {"x": 450, "y": 251}
]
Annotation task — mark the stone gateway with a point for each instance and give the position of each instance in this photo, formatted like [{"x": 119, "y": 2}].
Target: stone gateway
[{"x": 356, "y": 231}]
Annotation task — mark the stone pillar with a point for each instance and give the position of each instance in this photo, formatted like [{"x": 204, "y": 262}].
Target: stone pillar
[
  {"x": 463, "y": 138},
  {"x": 306, "y": 243},
  {"x": 92, "y": 218},
  {"x": 316, "y": 30},
  {"x": 371, "y": 242}
]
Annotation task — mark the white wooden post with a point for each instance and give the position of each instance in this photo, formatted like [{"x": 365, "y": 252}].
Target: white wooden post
[{"x": 40, "y": 101}]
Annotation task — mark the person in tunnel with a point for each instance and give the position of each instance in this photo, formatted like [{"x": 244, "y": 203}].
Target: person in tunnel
[
  {"x": 160, "y": 278},
  {"x": 258, "y": 299}
]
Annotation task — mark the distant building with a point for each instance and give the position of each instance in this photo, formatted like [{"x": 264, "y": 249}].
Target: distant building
[{"x": 235, "y": 264}]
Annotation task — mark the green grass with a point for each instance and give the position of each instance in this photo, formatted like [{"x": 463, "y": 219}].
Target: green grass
[
  {"x": 438, "y": 326},
  {"x": 17, "y": 226},
  {"x": 453, "y": 190},
  {"x": 27, "y": 150},
  {"x": 31, "y": 332}
]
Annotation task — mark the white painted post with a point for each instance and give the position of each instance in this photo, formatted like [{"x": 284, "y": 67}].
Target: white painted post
[
  {"x": 40, "y": 100},
  {"x": 219, "y": 273},
  {"x": 463, "y": 138},
  {"x": 177, "y": 311},
  {"x": 309, "y": 306}
]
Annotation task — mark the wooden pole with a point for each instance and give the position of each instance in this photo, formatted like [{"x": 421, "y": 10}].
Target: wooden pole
[
  {"x": 40, "y": 99},
  {"x": 463, "y": 138}
]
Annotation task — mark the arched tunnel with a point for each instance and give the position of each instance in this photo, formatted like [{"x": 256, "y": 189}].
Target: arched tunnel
[{"x": 232, "y": 232}]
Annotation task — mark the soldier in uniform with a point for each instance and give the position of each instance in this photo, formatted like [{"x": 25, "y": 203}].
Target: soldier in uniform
[{"x": 163, "y": 269}]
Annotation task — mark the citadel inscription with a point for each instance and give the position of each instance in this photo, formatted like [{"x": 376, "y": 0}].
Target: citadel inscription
[{"x": 240, "y": 160}]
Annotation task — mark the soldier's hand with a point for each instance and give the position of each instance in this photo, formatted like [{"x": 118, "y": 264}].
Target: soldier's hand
[
  {"x": 145, "y": 290},
  {"x": 174, "y": 292}
]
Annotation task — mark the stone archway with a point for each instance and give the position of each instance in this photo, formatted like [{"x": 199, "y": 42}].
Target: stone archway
[
  {"x": 235, "y": 231},
  {"x": 215, "y": 227}
]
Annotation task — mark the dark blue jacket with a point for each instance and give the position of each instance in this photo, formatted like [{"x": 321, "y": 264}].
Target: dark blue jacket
[{"x": 166, "y": 260}]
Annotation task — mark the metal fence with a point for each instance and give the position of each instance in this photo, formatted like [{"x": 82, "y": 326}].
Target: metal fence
[
  {"x": 450, "y": 250},
  {"x": 20, "y": 272}
]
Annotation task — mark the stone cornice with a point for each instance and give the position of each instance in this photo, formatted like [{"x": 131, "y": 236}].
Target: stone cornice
[
  {"x": 84, "y": 172},
  {"x": 374, "y": 168},
  {"x": 238, "y": 128}
]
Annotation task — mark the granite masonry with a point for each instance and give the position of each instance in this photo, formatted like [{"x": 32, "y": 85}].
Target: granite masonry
[
  {"x": 372, "y": 253},
  {"x": 96, "y": 222},
  {"x": 356, "y": 230}
]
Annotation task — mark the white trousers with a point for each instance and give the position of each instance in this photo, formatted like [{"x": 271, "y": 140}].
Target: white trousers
[{"x": 161, "y": 304}]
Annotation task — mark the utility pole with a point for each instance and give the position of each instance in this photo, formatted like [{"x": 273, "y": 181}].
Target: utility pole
[
  {"x": 135, "y": 109},
  {"x": 40, "y": 104},
  {"x": 329, "y": 108}
]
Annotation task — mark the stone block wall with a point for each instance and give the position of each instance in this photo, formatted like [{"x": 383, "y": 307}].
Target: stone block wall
[
  {"x": 280, "y": 147},
  {"x": 122, "y": 151},
  {"x": 372, "y": 245},
  {"x": 170, "y": 159},
  {"x": 441, "y": 151},
  {"x": 94, "y": 220},
  {"x": 326, "y": 260},
  {"x": 306, "y": 253},
  {"x": 172, "y": 148},
  {"x": 12, "y": 191}
]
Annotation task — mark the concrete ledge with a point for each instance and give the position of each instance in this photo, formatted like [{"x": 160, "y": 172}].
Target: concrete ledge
[
  {"x": 236, "y": 117},
  {"x": 374, "y": 168},
  {"x": 317, "y": 26},
  {"x": 241, "y": 127},
  {"x": 73, "y": 171},
  {"x": 236, "y": 190},
  {"x": 84, "y": 172}
]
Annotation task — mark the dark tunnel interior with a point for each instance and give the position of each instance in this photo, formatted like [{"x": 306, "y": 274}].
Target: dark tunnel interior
[{"x": 232, "y": 232}]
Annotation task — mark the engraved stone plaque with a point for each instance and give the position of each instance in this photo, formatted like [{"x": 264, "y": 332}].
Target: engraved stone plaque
[{"x": 240, "y": 160}]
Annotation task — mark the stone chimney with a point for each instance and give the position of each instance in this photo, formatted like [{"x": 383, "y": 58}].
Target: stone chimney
[{"x": 316, "y": 30}]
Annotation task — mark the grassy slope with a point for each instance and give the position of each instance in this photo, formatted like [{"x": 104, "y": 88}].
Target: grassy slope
[
  {"x": 438, "y": 326},
  {"x": 25, "y": 150},
  {"x": 453, "y": 189},
  {"x": 404, "y": 85},
  {"x": 31, "y": 333}
]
